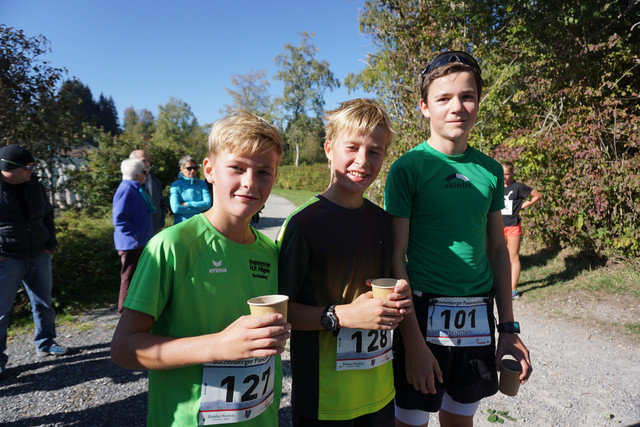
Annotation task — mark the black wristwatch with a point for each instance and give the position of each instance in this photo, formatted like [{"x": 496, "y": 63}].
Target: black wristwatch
[
  {"x": 329, "y": 319},
  {"x": 509, "y": 327}
]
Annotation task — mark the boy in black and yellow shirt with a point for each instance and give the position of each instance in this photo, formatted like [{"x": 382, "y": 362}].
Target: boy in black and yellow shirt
[{"x": 329, "y": 248}]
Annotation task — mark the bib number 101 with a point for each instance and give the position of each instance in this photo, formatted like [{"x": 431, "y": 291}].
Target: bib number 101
[{"x": 458, "y": 322}]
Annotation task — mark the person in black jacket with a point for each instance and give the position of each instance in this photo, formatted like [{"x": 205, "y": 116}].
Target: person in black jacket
[{"x": 27, "y": 239}]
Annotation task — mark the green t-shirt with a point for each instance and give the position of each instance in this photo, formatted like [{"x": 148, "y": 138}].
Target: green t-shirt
[
  {"x": 447, "y": 200},
  {"x": 194, "y": 281}
]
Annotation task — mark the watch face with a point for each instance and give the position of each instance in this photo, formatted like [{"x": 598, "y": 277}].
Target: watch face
[
  {"x": 326, "y": 321},
  {"x": 329, "y": 320}
]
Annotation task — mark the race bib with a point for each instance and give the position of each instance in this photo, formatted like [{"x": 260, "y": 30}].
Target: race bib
[
  {"x": 363, "y": 349},
  {"x": 458, "y": 322},
  {"x": 236, "y": 391}
]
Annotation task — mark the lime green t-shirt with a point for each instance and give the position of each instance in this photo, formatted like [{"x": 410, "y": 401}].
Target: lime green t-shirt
[
  {"x": 194, "y": 281},
  {"x": 447, "y": 200}
]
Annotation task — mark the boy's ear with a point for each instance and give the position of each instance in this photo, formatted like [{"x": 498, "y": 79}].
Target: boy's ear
[
  {"x": 207, "y": 168},
  {"x": 424, "y": 109},
  {"x": 327, "y": 148}
]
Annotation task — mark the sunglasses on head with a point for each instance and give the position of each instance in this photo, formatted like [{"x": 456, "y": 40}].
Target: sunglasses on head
[
  {"x": 191, "y": 168},
  {"x": 25, "y": 167},
  {"x": 449, "y": 57}
]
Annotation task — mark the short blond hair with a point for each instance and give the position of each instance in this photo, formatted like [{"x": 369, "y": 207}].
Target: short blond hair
[
  {"x": 244, "y": 133},
  {"x": 359, "y": 116}
]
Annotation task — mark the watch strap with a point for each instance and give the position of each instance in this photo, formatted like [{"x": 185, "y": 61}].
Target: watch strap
[{"x": 509, "y": 327}]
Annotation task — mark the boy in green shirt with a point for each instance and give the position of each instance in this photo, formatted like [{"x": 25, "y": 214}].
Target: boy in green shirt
[
  {"x": 445, "y": 199},
  {"x": 186, "y": 314},
  {"x": 329, "y": 248}
]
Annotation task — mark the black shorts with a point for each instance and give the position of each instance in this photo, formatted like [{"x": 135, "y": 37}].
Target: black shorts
[
  {"x": 469, "y": 373},
  {"x": 385, "y": 417}
]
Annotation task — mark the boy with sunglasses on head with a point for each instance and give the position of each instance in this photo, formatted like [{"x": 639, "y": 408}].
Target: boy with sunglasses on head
[
  {"x": 445, "y": 199},
  {"x": 186, "y": 318}
]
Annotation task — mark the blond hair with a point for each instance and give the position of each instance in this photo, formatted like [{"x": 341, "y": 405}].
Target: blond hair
[
  {"x": 244, "y": 133},
  {"x": 358, "y": 116}
]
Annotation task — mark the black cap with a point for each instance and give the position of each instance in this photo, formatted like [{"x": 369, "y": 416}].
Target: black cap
[{"x": 16, "y": 154}]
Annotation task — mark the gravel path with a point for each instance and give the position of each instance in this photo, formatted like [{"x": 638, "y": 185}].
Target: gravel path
[{"x": 580, "y": 373}]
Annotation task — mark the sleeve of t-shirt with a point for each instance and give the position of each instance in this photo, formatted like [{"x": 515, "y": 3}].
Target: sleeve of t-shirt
[
  {"x": 398, "y": 190},
  {"x": 150, "y": 288},
  {"x": 293, "y": 260},
  {"x": 524, "y": 191}
]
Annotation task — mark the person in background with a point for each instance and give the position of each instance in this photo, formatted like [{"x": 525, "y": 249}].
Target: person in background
[
  {"x": 132, "y": 210},
  {"x": 27, "y": 239},
  {"x": 188, "y": 194},
  {"x": 154, "y": 188},
  {"x": 515, "y": 194}
]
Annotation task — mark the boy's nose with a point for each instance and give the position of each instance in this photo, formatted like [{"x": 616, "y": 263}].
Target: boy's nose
[{"x": 247, "y": 179}]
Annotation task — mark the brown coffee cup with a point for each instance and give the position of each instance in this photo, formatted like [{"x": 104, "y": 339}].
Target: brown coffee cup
[
  {"x": 510, "y": 371},
  {"x": 268, "y": 304},
  {"x": 383, "y": 287}
]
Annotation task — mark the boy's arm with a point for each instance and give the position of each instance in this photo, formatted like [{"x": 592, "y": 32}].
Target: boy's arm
[
  {"x": 135, "y": 347},
  {"x": 422, "y": 368},
  {"x": 365, "y": 312},
  {"x": 535, "y": 197},
  {"x": 498, "y": 255}
]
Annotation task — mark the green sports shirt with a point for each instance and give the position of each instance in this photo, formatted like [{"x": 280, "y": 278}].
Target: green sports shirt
[
  {"x": 447, "y": 200},
  {"x": 194, "y": 281}
]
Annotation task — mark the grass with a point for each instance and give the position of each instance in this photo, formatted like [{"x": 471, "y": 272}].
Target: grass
[
  {"x": 297, "y": 197},
  {"x": 550, "y": 274}
]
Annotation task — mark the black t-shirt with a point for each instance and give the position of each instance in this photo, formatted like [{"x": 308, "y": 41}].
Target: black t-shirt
[{"x": 514, "y": 195}]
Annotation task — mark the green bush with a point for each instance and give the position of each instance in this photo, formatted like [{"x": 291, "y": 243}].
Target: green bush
[
  {"x": 86, "y": 267},
  {"x": 305, "y": 177}
]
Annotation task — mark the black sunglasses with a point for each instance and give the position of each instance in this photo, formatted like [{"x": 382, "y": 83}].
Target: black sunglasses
[
  {"x": 191, "y": 168},
  {"x": 25, "y": 167},
  {"x": 449, "y": 57}
]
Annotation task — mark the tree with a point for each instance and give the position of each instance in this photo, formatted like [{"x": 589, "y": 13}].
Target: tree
[
  {"x": 177, "y": 134},
  {"x": 560, "y": 97},
  {"x": 139, "y": 127},
  {"x": 251, "y": 93},
  {"x": 305, "y": 81},
  {"x": 108, "y": 115},
  {"x": 29, "y": 113}
]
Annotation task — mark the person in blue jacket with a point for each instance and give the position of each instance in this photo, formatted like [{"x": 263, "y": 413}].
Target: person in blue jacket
[
  {"x": 188, "y": 194},
  {"x": 132, "y": 210}
]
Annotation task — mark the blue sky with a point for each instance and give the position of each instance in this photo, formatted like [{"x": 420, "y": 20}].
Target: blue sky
[{"x": 142, "y": 53}]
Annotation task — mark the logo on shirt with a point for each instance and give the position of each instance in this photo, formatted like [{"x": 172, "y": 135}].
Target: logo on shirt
[
  {"x": 216, "y": 267},
  {"x": 260, "y": 269},
  {"x": 457, "y": 180}
]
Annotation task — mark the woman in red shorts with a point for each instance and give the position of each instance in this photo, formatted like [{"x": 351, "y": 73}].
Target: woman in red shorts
[{"x": 515, "y": 194}]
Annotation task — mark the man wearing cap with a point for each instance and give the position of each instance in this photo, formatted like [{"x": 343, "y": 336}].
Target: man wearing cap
[
  {"x": 27, "y": 239},
  {"x": 154, "y": 188}
]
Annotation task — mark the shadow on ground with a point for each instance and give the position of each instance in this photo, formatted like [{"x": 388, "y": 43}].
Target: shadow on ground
[{"x": 574, "y": 265}]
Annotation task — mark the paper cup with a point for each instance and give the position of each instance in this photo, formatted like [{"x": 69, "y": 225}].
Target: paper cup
[
  {"x": 268, "y": 304},
  {"x": 383, "y": 287},
  {"x": 509, "y": 372}
]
